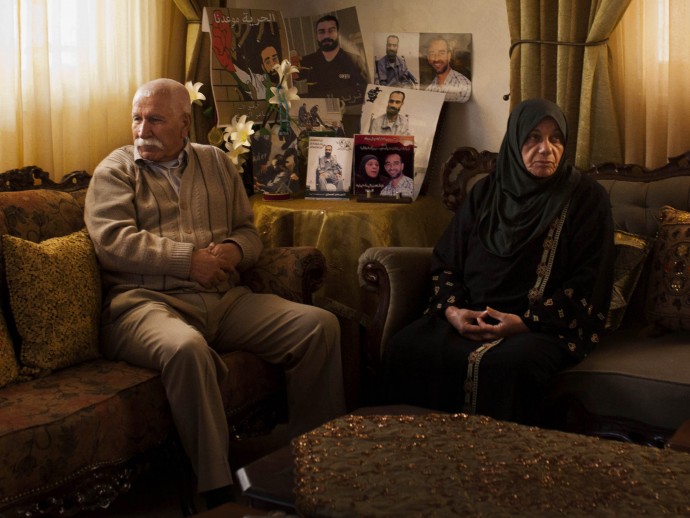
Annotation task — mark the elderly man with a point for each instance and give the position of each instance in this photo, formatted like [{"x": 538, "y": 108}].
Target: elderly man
[
  {"x": 391, "y": 122},
  {"x": 172, "y": 228},
  {"x": 455, "y": 85}
]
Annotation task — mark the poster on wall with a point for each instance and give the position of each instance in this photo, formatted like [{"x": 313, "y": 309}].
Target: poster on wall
[
  {"x": 328, "y": 49},
  {"x": 434, "y": 62},
  {"x": 245, "y": 46},
  {"x": 399, "y": 111}
]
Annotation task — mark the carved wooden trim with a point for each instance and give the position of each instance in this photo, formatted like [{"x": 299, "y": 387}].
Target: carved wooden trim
[
  {"x": 466, "y": 163},
  {"x": 463, "y": 164},
  {"x": 676, "y": 166},
  {"x": 33, "y": 177}
]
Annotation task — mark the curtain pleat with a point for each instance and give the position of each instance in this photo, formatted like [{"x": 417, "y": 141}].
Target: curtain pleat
[
  {"x": 651, "y": 80},
  {"x": 68, "y": 70},
  {"x": 577, "y": 77}
]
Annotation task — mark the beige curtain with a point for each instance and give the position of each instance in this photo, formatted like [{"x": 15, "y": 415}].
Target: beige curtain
[
  {"x": 197, "y": 64},
  {"x": 559, "y": 51},
  {"x": 651, "y": 64},
  {"x": 68, "y": 70}
]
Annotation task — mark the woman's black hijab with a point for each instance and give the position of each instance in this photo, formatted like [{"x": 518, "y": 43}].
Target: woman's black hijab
[{"x": 520, "y": 206}]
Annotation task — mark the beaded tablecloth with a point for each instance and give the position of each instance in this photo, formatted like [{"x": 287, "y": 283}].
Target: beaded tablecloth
[{"x": 459, "y": 465}]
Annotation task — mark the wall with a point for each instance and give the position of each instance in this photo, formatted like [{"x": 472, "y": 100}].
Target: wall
[{"x": 481, "y": 121}]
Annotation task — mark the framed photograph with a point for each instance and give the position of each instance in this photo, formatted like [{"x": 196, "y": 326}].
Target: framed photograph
[
  {"x": 329, "y": 168},
  {"x": 245, "y": 46},
  {"x": 384, "y": 167}
]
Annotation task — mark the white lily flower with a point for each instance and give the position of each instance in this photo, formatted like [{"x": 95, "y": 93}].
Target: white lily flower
[
  {"x": 239, "y": 132},
  {"x": 284, "y": 69},
  {"x": 235, "y": 153},
  {"x": 195, "y": 96},
  {"x": 283, "y": 96}
]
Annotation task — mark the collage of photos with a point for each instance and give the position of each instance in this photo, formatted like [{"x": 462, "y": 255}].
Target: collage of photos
[
  {"x": 337, "y": 97},
  {"x": 384, "y": 167}
]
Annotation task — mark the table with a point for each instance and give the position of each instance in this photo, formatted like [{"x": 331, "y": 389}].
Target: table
[
  {"x": 268, "y": 482},
  {"x": 343, "y": 229},
  {"x": 406, "y": 464}
]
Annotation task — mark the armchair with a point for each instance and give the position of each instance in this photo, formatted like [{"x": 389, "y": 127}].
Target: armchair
[{"x": 635, "y": 385}]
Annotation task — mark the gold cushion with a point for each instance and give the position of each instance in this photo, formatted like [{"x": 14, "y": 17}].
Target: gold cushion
[
  {"x": 669, "y": 282},
  {"x": 55, "y": 294},
  {"x": 631, "y": 253},
  {"x": 9, "y": 370}
]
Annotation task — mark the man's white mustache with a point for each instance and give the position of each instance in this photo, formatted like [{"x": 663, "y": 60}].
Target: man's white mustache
[{"x": 148, "y": 142}]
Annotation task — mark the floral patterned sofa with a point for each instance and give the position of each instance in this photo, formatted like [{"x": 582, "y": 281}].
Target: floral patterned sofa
[
  {"x": 635, "y": 385},
  {"x": 74, "y": 427}
]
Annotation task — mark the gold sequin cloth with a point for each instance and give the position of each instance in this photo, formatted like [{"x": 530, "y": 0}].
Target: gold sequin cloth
[{"x": 460, "y": 465}]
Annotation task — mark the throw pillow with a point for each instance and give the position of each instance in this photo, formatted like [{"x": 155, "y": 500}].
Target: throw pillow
[
  {"x": 55, "y": 294},
  {"x": 669, "y": 283},
  {"x": 631, "y": 253},
  {"x": 9, "y": 370}
]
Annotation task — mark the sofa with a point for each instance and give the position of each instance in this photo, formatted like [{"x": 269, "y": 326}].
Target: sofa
[
  {"x": 76, "y": 428},
  {"x": 635, "y": 385}
]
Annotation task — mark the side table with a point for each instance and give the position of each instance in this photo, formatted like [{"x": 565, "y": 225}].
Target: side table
[{"x": 343, "y": 230}]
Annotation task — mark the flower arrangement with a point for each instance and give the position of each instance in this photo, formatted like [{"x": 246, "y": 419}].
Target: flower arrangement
[{"x": 237, "y": 137}]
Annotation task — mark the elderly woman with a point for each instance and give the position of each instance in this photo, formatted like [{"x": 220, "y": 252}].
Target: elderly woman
[
  {"x": 369, "y": 175},
  {"x": 521, "y": 278}
]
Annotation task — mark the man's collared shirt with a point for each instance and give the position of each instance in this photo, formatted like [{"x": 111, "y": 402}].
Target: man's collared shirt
[
  {"x": 394, "y": 73},
  {"x": 172, "y": 169},
  {"x": 456, "y": 87},
  {"x": 382, "y": 126}
]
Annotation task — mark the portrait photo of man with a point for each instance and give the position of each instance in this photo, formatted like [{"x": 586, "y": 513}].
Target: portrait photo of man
[
  {"x": 329, "y": 167},
  {"x": 259, "y": 83},
  {"x": 439, "y": 56},
  {"x": 392, "y": 122},
  {"x": 329, "y": 70},
  {"x": 329, "y": 171},
  {"x": 392, "y": 69},
  {"x": 399, "y": 184}
]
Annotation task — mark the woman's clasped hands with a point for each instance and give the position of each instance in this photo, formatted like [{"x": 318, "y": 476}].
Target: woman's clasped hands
[{"x": 487, "y": 325}]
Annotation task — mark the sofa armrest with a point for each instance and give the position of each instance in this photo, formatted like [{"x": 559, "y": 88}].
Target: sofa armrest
[
  {"x": 395, "y": 290},
  {"x": 293, "y": 272}
]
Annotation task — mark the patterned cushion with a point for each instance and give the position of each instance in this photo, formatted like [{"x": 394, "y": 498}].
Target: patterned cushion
[
  {"x": 631, "y": 253},
  {"x": 35, "y": 215},
  {"x": 8, "y": 361},
  {"x": 55, "y": 294},
  {"x": 669, "y": 282}
]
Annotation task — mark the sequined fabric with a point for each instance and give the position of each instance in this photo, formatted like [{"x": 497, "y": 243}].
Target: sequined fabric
[{"x": 460, "y": 465}]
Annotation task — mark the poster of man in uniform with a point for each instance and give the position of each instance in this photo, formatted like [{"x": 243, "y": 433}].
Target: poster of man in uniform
[
  {"x": 329, "y": 51},
  {"x": 245, "y": 46}
]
